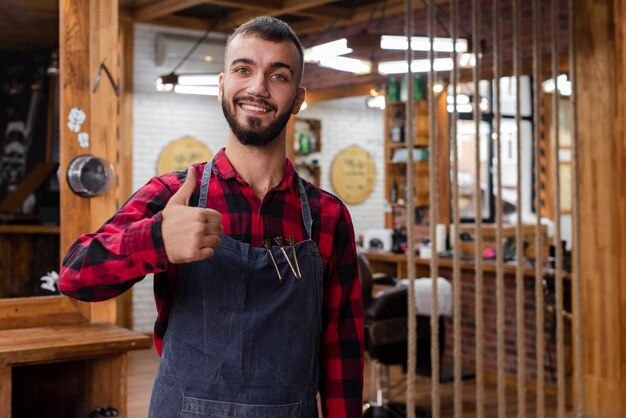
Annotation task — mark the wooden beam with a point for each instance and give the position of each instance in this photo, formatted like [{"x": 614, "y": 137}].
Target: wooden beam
[
  {"x": 184, "y": 22},
  {"x": 326, "y": 13},
  {"x": 339, "y": 93},
  {"x": 289, "y": 7},
  {"x": 88, "y": 38},
  {"x": 124, "y": 302},
  {"x": 248, "y": 4},
  {"x": 163, "y": 8},
  {"x": 600, "y": 44}
]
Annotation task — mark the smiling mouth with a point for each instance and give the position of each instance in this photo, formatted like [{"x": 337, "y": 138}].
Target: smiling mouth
[{"x": 254, "y": 108}]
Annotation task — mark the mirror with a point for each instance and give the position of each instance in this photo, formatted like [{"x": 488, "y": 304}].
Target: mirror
[{"x": 29, "y": 154}]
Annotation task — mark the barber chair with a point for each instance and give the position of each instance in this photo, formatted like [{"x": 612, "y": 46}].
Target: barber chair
[{"x": 386, "y": 334}]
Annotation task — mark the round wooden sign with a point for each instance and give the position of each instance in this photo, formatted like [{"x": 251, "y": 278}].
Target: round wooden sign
[
  {"x": 353, "y": 174},
  {"x": 179, "y": 154}
]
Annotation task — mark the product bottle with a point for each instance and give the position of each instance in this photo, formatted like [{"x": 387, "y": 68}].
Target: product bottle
[
  {"x": 305, "y": 143},
  {"x": 397, "y": 128},
  {"x": 394, "y": 192}
]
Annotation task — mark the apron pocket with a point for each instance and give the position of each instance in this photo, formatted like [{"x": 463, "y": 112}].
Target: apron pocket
[{"x": 195, "y": 407}]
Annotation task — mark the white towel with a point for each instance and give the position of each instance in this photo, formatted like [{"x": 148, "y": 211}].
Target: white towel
[{"x": 423, "y": 295}]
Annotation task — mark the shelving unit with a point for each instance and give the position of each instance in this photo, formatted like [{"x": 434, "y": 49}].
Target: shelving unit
[
  {"x": 304, "y": 140},
  {"x": 395, "y": 168}
]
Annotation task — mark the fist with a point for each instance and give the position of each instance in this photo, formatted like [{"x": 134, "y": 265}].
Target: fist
[{"x": 189, "y": 233}]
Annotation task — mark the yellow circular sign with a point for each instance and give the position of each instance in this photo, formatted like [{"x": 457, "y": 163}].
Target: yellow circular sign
[
  {"x": 179, "y": 154},
  {"x": 353, "y": 174}
]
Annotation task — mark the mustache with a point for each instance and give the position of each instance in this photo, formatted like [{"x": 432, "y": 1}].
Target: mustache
[{"x": 258, "y": 100}]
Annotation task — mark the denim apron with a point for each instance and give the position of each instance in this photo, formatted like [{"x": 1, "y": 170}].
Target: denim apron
[{"x": 240, "y": 342}]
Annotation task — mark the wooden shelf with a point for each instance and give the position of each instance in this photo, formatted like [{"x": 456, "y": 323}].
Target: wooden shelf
[
  {"x": 29, "y": 229},
  {"x": 395, "y": 145}
]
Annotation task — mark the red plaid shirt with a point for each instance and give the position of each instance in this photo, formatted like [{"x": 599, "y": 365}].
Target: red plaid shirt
[{"x": 129, "y": 245}]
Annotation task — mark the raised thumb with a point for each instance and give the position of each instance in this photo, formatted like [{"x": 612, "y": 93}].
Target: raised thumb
[{"x": 183, "y": 194}]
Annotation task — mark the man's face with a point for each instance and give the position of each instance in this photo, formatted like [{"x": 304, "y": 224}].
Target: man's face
[{"x": 259, "y": 89}]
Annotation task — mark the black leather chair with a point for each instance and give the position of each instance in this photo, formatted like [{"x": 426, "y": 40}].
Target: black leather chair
[{"x": 386, "y": 338}]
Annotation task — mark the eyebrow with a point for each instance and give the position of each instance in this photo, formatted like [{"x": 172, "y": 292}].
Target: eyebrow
[{"x": 249, "y": 61}]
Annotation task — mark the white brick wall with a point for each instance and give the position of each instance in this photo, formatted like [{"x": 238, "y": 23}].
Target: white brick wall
[
  {"x": 347, "y": 122},
  {"x": 161, "y": 118}
]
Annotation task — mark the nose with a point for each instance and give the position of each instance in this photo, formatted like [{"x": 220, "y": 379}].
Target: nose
[{"x": 258, "y": 85}]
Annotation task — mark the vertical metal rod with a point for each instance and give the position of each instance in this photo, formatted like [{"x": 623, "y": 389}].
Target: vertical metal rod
[
  {"x": 500, "y": 303},
  {"x": 410, "y": 210},
  {"x": 539, "y": 244},
  {"x": 519, "y": 243},
  {"x": 558, "y": 277},
  {"x": 434, "y": 214},
  {"x": 456, "y": 263},
  {"x": 577, "y": 287},
  {"x": 478, "y": 257}
]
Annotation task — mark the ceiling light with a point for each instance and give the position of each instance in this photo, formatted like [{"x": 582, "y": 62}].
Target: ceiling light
[
  {"x": 202, "y": 90},
  {"x": 351, "y": 65},
  {"x": 422, "y": 43},
  {"x": 376, "y": 102},
  {"x": 467, "y": 60},
  {"x": 205, "y": 84},
  {"x": 437, "y": 87},
  {"x": 330, "y": 49},
  {"x": 563, "y": 84},
  {"x": 198, "y": 79},
  {"x": 417, "y": 66}
]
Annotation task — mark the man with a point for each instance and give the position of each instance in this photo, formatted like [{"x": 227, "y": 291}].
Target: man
[{"x": 256, "y": 280}]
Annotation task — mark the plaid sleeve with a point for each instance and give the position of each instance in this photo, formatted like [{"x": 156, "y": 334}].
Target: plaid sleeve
[
  {"x": 341, "y": 352},
  {"x": 128, "y": 246}
]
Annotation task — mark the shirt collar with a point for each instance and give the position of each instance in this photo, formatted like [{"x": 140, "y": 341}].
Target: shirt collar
[{"x": 223, "y": 168}]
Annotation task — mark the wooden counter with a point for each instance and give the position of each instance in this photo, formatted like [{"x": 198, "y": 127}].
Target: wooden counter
[
  {"x": 396, "y": 265},
  {"x": 48, "y": 359}
]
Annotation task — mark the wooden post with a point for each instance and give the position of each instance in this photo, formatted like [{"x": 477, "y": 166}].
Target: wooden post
[
  {"x": 88, "y": 38},
  {"x": 601, "y": 115},
  {"x": 5, "y": 391}
]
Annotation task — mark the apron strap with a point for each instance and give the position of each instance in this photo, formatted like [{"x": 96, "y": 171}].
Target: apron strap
[{"x": 307, "y": 218}]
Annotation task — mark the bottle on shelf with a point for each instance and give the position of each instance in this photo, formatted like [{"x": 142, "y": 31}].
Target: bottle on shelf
[
  {"x": 394, "y": 192},
  {"x": 393, "y": 90},
  {"x": 397, "y": 127},
  {"x": 305, "y": 143}
]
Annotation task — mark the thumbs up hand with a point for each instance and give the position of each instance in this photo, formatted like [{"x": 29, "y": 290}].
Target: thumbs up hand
[{"x": 189, "y": 233}]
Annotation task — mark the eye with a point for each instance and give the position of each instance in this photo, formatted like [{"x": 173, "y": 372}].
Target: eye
[
  {"x": 241, "y": 70},
  {"x": 279, "y": 77}
]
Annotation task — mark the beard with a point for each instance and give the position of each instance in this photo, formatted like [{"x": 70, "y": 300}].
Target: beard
[{"x": 254, "y": 134}]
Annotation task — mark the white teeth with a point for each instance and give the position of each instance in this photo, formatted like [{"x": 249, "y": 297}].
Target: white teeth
[{"x": 254, "y": 108}]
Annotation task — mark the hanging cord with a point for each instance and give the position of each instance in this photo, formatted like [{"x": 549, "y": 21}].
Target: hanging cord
[
  {"x": 577, "y": 304},
  {"x": 434, "y": 214},
  {"x": 199, "y": 41},
  {"x": 456, "y": 262},
  {"x": 539, "y": 244},
  {"x": 500, "y": 303},
  {"x": 410, "y": 216},
  {"x": 519, "y": 243},
  {"x": 478, "y": 257},
  {"x": 560, "y": 351}
]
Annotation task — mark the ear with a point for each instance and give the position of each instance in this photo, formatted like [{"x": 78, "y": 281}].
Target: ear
[
  {"x": 220, "y": 87},
  {"x": 297, "y": 103}
]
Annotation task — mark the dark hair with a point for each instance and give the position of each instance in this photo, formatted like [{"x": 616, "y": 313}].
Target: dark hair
[{"x": 270, "y": 29}]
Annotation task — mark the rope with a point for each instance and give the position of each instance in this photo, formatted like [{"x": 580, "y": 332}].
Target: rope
[
  {"x": 577, "y": 305},
  {"x": 519, "y": 243},
  {"x": 410, "y": 219},
  {"x": 560, "y": 352},
  {"x": 456, "y": 267},
  {"x": 499, "y": 256},
  {"x": 539, "y": 300},
  {"x": 434, "y": 214},
  {"x": 478, "y": 257}
]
